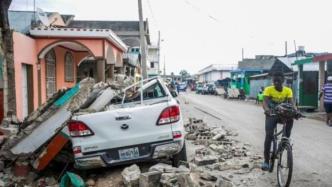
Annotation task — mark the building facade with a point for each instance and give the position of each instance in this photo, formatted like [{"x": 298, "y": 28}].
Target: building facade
[
  {"x": 55, "y": 57},
  {"x": 214, "y": 72},
  {"x": 153, "y": 61}
]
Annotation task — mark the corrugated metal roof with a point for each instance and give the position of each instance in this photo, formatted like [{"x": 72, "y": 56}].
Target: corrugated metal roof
[{"x": 261, "y": 64}]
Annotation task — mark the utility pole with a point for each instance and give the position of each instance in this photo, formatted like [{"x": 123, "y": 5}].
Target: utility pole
[
  {"x": 142, "y": 39},
  {"x": 286, "y": 52},
  {"x": 242, "y": 53},
  {"x": 158, "y": 53},
  {"x": 164, "y": 67}
]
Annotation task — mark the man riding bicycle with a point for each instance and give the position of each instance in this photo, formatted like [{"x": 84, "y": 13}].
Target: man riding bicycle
[{"x": 274, "y": 95}]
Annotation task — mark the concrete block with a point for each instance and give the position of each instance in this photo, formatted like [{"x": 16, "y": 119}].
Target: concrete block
[
  {"x": 150, "y": 179},
  {"x": 131, "y": 176},
  {"x": 205, "y": 160}
]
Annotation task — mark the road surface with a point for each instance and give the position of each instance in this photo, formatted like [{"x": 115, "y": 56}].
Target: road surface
[{"x": 312, "y": 139}]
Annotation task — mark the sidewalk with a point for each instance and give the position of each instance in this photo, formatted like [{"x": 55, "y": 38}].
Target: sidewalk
[{"x": 321, "y": 116}]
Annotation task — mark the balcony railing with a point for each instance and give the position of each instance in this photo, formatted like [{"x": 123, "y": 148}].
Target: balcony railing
[{"x": 131, "y": 58}]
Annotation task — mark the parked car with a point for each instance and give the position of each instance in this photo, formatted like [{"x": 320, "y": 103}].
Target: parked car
[
  {"x": 130, "y": 130},
  {"x": 199, "y": 88},
  {"x": 209, "y": 88},
  {"x": 182, "y": 87},
  {"x": 212, "y": 89}
]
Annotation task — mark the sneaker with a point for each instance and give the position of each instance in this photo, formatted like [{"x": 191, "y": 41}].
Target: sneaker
[{"x": 265, "y": 166}]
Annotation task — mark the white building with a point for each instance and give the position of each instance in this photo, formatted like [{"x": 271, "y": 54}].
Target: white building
[
  {"x": 153, "y": 65},
  {"x": 214, "y": 72}
]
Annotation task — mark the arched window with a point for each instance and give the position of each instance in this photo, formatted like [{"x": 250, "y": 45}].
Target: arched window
[{"x": 69, "y": 67}]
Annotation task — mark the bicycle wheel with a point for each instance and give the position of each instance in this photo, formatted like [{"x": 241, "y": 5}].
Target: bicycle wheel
[
  {"x": 285, "y": 165},
  {"x": 273, "y": 155}
]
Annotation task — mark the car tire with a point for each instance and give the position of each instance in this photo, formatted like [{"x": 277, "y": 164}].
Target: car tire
[{"x": 180, "y": 157}]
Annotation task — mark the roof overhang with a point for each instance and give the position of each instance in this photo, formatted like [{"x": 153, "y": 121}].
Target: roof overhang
[
  {"x": 323, "y": 58},
  {"x": 303, "y": 61},
  {"x": 80, "y": 33}
]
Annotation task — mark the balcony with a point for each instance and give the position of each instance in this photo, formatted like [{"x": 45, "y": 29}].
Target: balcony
[{"x": 131, "y": 58}]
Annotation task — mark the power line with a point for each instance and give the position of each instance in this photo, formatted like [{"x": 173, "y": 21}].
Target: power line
[
  {"x": 152, "y": 14},
  {"x": 200, "y": 10}
]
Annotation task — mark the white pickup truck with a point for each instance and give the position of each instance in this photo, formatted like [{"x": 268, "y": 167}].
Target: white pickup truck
[{"x": 131, "y": 129}]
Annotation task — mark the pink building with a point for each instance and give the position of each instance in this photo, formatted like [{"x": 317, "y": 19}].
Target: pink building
[{"x": 49, "y": 59}]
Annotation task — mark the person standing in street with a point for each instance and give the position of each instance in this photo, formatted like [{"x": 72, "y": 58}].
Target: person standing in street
[{"x": 327, "y": 92}]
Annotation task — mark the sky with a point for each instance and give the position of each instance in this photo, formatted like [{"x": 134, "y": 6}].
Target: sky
[{"x": 197, "y": 33}]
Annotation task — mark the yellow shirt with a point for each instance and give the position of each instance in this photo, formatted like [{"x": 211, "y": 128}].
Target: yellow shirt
[{"x": 277, "y": 96}]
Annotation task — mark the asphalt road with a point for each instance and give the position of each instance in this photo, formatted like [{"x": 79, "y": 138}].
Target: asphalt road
[{"x": 312, "y": 139}]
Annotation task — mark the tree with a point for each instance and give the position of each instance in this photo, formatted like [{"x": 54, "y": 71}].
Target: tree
[
  {"x": 6, "y": 51},
  {"x": 184, "y": 74}
]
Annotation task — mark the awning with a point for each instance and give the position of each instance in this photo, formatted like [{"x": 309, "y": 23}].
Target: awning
[
  {"x": 323, "y": 58},
  {"x": 303, "y": 61}
]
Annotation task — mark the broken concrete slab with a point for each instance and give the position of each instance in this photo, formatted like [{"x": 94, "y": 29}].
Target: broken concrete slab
[
  {"x": 102, "y": 100},
  {"x": 185, "y": 180},
  {"x": 131, "y": 176},
  {"x": 169, "y": 180},
  {"x": 166, "y": 168},
  {"x": 224, "y": 183},
  {"x": 208, "y": 177},
  {"x": 150, "y": 179},
  {"x": 42, "y": 133},
  {"x": 85, "y": 87},
  {"x": 205, "y": 160}
]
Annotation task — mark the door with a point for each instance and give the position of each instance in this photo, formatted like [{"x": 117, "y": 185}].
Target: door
[
  {"x": 50, "y": 74},
  {"x": 27, "y": 90},
  {"x": 24, "y": 91},
  {"x": 309, "y": 94}
]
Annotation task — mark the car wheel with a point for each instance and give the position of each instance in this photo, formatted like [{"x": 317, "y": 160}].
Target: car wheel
[{"x": 179, "y": 157}]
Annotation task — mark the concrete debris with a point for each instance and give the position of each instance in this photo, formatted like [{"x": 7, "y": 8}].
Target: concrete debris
[
  {"x": 208, "y": 177},
  {"x": 150, "y": 179},
  {"x": 225, "y": 183},
  {"x": 201, "y": 160},
  {"x": 90, "y": 182},
  {"x": 218, "y": 152},
  {"x": 131, "y": 176},
  {"x": 85, "y": 87},
  {"x": 165, "y": 168},
  {"x": 169, "y": 180}
]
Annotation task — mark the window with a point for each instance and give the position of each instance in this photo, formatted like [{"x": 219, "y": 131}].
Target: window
[
  {"x": 69, "y": 67},
  {"x": 153, "y": 92},
  {"x": 50, "y": 73},
  {"x": 152, "y": 64}
]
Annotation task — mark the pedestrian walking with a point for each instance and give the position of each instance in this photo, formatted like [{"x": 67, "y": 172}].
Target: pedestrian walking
[{"x": 327, "y": 92}]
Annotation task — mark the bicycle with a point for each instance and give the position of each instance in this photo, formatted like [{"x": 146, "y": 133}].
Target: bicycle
[{"x": 281, "y": 146}]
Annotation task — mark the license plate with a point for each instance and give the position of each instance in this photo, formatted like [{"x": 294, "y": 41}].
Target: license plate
[{"x": 127, "y": 154}]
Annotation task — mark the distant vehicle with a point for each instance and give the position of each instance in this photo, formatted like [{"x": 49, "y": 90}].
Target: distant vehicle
[
  {"x": 199, "y": 88},
  {"x": 209, "y": 88},
  {"x": 182, "y": 87},
  {"x": 130, "y": 130}
]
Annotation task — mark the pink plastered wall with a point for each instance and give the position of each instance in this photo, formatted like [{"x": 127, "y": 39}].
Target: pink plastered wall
[
  {"x": 24, "y": 53},
  {"x": 61, "y": 83}
]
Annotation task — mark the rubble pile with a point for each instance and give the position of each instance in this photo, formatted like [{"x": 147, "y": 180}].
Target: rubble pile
[
  {"x": 30, "y": 139},
  {"x": 220, "y": 153}
]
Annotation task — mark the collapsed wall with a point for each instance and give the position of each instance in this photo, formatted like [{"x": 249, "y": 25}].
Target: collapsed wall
[{"x": 26, "y": 139}]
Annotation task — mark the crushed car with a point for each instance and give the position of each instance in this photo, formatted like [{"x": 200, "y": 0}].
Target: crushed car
[{"x": 141, "y": 123}]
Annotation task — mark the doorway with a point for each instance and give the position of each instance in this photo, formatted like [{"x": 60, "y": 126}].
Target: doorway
[{"x": 27, "y": 90}]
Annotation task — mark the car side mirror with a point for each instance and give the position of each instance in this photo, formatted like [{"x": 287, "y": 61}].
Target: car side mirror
[{"x": 174, "y": 93}]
